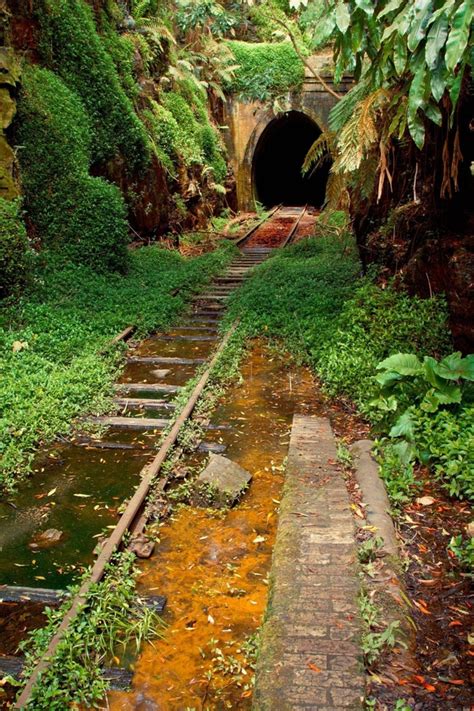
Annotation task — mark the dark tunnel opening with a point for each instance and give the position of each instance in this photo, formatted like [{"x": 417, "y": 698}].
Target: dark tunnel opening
[{"x": 278, "y": 159}]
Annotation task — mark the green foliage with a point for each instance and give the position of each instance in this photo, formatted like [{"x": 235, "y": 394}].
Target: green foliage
[
  {"x": 113, "y": 617},
  {"x": 71, "y": 46},
  {"x": 299, "y": 294},
  {"x": 427, "y": 408},
  {"x": 50, "y": 341},
  {"x": 122, "y": 49},
  {"x": 164, "y": 134},
  {"x": 16, "y": 255},
  {"x": 396, "y": 469},
  {"x": 420, "y": 50},
  {"x": 265, "y": 70},
  {"x": 70, "y": 210},
  {"x": 463, "y": 549},
  {"x": 187, "y": 131},
  {"x": 373, "y": 324},
  {"x": 204, "y": 15},
  {"x": 373, "y": 641}
]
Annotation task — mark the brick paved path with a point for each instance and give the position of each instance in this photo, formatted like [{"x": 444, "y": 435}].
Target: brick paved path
[{"x": 310, "y": 657}]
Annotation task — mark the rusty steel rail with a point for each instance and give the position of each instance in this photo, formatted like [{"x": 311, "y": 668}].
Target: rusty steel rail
[
  {"x": 133, "y": 508},
  {"x": 240, "y": 241},
  {"x": 292, "y": 232}
]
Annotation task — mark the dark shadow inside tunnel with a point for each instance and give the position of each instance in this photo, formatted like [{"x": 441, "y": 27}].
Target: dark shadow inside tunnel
[{"x": 278, "y": 159}]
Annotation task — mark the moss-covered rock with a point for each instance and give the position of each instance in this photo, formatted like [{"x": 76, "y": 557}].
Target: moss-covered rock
[{"x": 83, "y": 216}]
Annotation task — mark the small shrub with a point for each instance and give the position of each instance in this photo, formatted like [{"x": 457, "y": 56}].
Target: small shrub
[{"x": 16, "y": 255}]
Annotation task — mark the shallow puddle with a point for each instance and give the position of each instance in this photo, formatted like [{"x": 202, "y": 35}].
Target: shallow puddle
[
  {"x": 213, "y": 567},
  {"x": 76, "y": 490}
]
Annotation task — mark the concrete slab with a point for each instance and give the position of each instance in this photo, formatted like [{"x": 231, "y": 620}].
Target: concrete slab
[{"x": 222, "y": 482}]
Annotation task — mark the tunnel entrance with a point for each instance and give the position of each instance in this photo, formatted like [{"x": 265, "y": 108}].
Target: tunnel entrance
[{"x": 277, "y": 162}]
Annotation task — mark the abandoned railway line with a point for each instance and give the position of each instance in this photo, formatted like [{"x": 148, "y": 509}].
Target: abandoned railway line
[{"x": 156, "y": 371}]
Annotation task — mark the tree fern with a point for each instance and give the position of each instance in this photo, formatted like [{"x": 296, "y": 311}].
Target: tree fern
[{"x": 322, "y": 150}]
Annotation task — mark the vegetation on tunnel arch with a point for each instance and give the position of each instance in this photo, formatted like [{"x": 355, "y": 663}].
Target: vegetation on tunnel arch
[
  {"x": 278, "y": 159},
  {"x": 265, "y": 70}
]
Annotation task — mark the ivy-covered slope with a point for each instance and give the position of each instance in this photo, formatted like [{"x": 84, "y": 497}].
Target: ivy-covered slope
[{"x": 113, "y": 129}]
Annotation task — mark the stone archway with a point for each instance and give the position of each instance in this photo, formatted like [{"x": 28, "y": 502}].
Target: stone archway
[{"x": 277, "y": 162}]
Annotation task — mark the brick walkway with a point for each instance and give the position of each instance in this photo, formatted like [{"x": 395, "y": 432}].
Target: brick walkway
[{"x": 310, "y": 657}]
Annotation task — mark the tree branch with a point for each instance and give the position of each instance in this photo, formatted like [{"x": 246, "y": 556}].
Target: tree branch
[{"x": 308, "y": 66}]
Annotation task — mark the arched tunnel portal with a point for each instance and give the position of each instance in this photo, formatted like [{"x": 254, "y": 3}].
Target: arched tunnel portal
[{"x": 278, "y": 159}]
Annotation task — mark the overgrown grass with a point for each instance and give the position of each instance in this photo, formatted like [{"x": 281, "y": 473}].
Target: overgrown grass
[
  {"x": 112, "y": 619},
  {"x": 50, "y": 341}
]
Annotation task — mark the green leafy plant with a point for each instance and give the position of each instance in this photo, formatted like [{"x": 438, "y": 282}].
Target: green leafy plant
[
  {"x": 68, "y": 31},
  {"x": 16, "y": 254},
  {"x": 463, "y": 549},
  {"x": 265, "y": 70},
  {"x": 111, "y": 620},
  {"x": 52, "y": 369}
]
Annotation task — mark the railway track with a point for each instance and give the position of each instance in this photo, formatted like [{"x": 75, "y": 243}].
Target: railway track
[{"x": 143, "y": 404}]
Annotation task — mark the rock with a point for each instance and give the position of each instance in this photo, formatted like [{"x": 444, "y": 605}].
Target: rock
[
  {"x": 47, "y": 539},
  {"x": 142, "y": 546},
  {"x": 160, "y": 372},
  {"x": 221, "y": 483}
]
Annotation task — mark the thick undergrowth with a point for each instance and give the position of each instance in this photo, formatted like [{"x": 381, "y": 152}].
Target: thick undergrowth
[
  {"x": 312, "y": 298},
  {"x": 51, "y": 341}
]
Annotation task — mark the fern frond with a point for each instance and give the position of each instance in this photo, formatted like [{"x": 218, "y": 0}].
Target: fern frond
[{"x": 321, "y": 150}]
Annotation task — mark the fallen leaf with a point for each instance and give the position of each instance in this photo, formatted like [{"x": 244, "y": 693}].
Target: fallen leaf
[
  {"x": 83, "y": 496},
  {"x": 314, "y": 667},
  {"x": 259, "y": 539},
  {"x": 53, "y": 491},
  {"x": 210, "y": 619}
]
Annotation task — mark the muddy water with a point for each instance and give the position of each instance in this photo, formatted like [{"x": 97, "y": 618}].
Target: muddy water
[{"x": 214, "y": 567}]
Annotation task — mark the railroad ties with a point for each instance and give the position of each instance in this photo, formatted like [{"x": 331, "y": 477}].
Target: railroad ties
[{"x": 144, "y": 403}]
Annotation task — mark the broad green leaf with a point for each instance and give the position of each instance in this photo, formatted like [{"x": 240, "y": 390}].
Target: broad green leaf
[
  {"x": 388, "y": 378},
  {"x": 455, "y": 89},
  {"x": 419, "y": 24},
  {"x": 402, "y": 363},
  {"x": 405, "y": 452},
  {"x": 438, "y": 81},
  {"x": 391, "y": 7},
  {"x": 455, "y": 367},
  {"x": 436, "y": 40},
  {"x": 429, "y": 365},
  {"x": 365, "y": 5},
  {"x": 404, "y": 426},
  {"x": 434, "y": 113},
  {"x": 416, "y": 100},
  {"x": 459, "y": 34},
  {"x": 343, "y": 16},
  {"x": 400, "y": 54}
]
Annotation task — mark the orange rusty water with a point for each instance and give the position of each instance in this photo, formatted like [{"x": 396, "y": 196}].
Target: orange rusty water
[{"x": 213, "y": 566}]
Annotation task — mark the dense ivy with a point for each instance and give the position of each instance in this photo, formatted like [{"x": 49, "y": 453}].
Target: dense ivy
[
  {"x": 265, "y": 70},
  {"x": 16, "y": 255},
  {"x": 71, "y": 46},
  {"x": 70, "y": 210}
]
